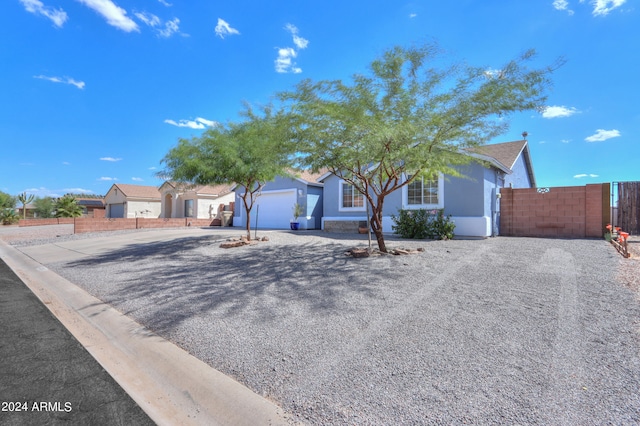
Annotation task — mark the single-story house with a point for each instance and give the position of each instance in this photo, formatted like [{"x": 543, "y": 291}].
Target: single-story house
[
  {"x": 131, "y": 201},
  {"x": 274, "y": 206},
  {"x": 472, "y": 200},
  {"x": 197, "y": 201}
]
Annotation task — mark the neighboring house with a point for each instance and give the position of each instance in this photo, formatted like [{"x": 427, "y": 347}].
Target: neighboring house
[
  {"x": 91, "y": 206},
  {"x": 30, "y": 208},
  {"x": 274, "y": 207},
  {"x": 131, "y": 201},
  {"x": 200, "y": 202},
  {"x": 472, "y": 200}
]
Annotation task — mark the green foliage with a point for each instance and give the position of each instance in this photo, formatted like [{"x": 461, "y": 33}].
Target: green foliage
[
  {"x": 298, "y": 210},
  {"x": 8, "y": 216},
  {"x": 44, "y": 207},
  {"x": 7, "y": 201},
  {"x": 407, "y": 117},
  {"x": 249, "y": 153},
  {"x": 67, "y": 206},
  {"x": 421, "y": 223}
]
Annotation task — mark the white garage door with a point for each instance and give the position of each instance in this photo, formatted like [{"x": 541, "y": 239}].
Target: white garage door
[{"x": 275, "y": 211}]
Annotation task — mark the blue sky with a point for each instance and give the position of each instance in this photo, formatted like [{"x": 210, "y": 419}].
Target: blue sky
[{"x": 95, "y": 92}]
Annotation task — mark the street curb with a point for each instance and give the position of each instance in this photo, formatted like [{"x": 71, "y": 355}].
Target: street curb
[{"x": 170, "y": 385}]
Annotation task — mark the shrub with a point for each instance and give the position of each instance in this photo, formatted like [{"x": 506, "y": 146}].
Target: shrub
[
  {"x": 421, "y": 223},
  {"x": 8, "y": 216}
]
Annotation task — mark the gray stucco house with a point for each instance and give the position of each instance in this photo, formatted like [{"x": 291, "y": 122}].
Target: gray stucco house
[
  {"x": 473, "y": 202},
  {"x": 274, "y": 206}
]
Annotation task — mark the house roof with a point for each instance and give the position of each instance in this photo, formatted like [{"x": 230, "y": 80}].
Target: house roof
[
  {"x": 309, "y": 177},
  {"x": 217, "y": 190},
  {"x": 90, "y": 202},
  {"x": 507, "y": 153},
  {"x": 138, "y": 191}
]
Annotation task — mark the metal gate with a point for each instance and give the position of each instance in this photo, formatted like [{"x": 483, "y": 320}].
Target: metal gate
[{"x": 625, "y": 206}]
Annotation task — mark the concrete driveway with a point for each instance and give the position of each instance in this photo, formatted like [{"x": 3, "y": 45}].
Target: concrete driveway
[{"x": 497, "y": 331}]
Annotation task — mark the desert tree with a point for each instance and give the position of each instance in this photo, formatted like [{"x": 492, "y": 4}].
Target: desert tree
[
  {"x": 249, "y": 153},
  {"x": 411, "y": 116}
]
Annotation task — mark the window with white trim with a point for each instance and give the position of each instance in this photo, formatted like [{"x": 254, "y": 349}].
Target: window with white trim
[
  {"x": 188, "y": 208},
  {"x": 423, "y": 193},
  {"x": 350, "y": 198}
]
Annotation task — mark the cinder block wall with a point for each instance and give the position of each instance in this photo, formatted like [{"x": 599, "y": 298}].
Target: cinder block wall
[{"x": 566, "y": 212}]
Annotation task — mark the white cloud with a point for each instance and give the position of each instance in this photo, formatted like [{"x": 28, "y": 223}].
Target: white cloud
[
  {"x": 559, "y": 111},
  {"x": 224, "y": 29},
  {"x": 284, "y": 62},
  {"x": 170, "y": 28},
  {"x": 413, "y": 15},
  {"x": 110, "y": 159},
  {"x": 137, "y": 179},
  {"x": 115, "y": 15},
  {"x": 300, "y": 42},
  {"x": 77, "y": 191},
  {"x": 66, "y": 163},
  {"x": 164, "y": 3},
  {"x": 198, "y": 123},
  {"x": 148, "y": 18},
  {"x": 562, "y": 5},
  {"x": 65, "y": 80},
  {"x": 603, "y": 135},
  {"x": 603, "y": 7},
  {"x": 57, "y": 16},
  {"x": 152, "y": 168},
  {"x": 565, "y": 140},
  {"x": 165, "y": 30},
  {"x": 105, "y": 178},
  {"x": 584, "y": 175}
]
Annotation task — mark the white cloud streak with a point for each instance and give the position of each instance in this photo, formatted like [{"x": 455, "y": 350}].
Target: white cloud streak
[
  {"x": 584, "y": 175},
  {"x": 137, "y": 179},
  {"x": 559, "y": 111},
  {"x": 600, "y": 7},
  {"x": 198, "y": 123},
  {"x": 284, "y": 63},
  {"x": 164, "y": 3},
  {"x": 111, "y": 159},
  {"x": 65, "y": 80},
  {"x": 603, "y": 135},
  {"x": 223, "y": 29},
  {"x": 107, "y": 179},
  {"x": 57, "y": 16},
  {"x": 115, "y": 15},
  {"x": 164, "y": 30},
  {"x": 603, "y": 7}
]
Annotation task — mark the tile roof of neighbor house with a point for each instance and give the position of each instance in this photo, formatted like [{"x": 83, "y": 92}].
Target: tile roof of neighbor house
[
  {"x": 138, "y": 191},
  {"x": 218, "y": 190}
]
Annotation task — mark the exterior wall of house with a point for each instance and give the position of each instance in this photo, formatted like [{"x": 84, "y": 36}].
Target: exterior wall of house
[
  {"x": 207, "y": 208},
  {"x": 114, "y": 203},
  {"x": 137, "y": 208},
  {"x": 519, "y": 178},
  {"x": 470, "y": 200}
]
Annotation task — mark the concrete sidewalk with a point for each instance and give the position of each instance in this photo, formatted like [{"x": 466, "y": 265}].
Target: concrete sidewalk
[{"x": 171, "y": 386}]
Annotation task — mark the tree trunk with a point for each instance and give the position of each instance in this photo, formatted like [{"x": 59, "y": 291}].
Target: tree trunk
[
  {"x": 376, "y": 223},
  {"x": 247, "y": 209}
]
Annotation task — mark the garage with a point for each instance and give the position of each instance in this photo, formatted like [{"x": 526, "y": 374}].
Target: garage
[{"x": 274, "y": 209}]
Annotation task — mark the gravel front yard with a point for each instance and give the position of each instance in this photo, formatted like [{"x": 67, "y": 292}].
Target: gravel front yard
[{"x": 496, "y": 331}]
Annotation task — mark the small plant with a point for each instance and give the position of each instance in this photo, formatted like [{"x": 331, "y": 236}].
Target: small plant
[
  {"x": 421, "y": 223},
  {"x": 298, "y": 210},
  {"x": 8, "y": 216}
]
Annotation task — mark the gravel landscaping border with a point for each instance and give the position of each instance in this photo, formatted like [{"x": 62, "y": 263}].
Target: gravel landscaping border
[{"x": 495, "y": 331}]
